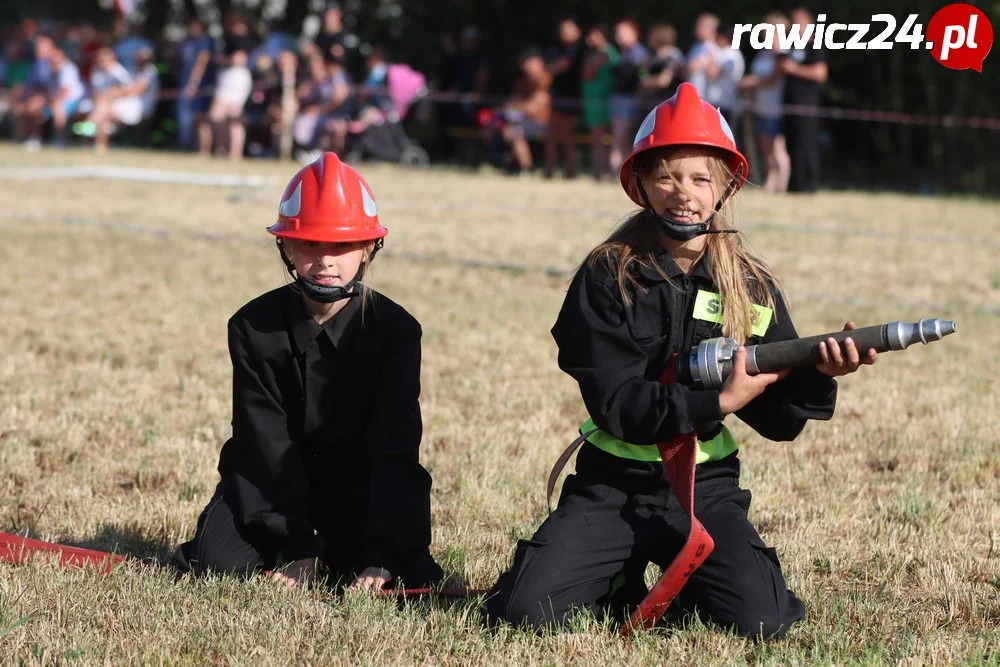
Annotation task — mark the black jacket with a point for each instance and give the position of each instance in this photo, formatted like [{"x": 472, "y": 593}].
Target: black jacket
[
  {"x": 326, "y": 430},
  {"x": 618, "y": 353}
]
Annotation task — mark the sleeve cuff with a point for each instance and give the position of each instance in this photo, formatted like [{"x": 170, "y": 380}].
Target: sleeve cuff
[
  {"x": 295, "y": 549},
  {"x": 379, "y": 555},
  {"x": 703, "y": 406},
  {"x": 815, "y": 392}
]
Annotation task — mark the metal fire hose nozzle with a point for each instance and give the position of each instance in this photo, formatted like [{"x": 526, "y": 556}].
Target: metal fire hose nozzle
[{"x": 710, "y": 362}]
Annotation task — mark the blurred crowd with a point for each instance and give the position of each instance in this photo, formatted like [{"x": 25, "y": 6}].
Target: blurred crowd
[
  {"x": 231, "y": 96},
  {"x": 608, "y": 79},
  {"x": 250, "y": 92}
]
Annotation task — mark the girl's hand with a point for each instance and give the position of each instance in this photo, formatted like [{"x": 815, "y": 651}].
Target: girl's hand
[
  {"x": 300, "y": 572},
  {"x": 741, "y": 388},
  {"x": 371, "y": 578},
  {"x": 833, "y": 362}
]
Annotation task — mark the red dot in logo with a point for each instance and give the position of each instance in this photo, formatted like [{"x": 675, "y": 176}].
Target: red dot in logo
[{"x": 960, "y": 36}]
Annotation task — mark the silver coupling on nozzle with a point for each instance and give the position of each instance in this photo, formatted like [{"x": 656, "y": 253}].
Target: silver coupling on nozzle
[
  {"x": 901, "y": 335},
  {"x": 711, "y": 362}
]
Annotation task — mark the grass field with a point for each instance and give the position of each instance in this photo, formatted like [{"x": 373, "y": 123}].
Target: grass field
[{"x": 115, "y": 388}]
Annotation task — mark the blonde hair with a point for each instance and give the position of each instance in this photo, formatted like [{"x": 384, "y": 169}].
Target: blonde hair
[{"x": 743, "y": 278}]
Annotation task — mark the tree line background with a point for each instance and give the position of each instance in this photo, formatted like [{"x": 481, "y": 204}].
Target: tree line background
[{"x": 856, "y": 153}]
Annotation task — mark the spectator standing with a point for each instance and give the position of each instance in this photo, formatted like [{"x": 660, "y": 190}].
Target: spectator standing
[
  {"x": 131, "y": 41},
  {"x": 30, "y": 100},
  {"x": 232, "y": 90},
  {"x": 15, "y": 68},
  {"x": 805, "y": 70},
  {"x": 472, "y": 74},
  {"x": 666, "y": 65},
  {"x": 275, "y": 42},
  {"x": 633, "y": 58},
  {"x": 88, "y": 47},
  {"x": 196, "y": 65},
  {"x": 313, "y": 94},
  {"x": 447, "y": 62},
  {"x": 338, "y": 110},
  {"x": 237, "y": 35},
  {"x": 263, "y": 108},
  {"x": 598, "y": 81},
  {"x": 332, "y": 38},
  {"x": 8, "y": 57},
  {"x": 472, "y": 67},
  {"x": 564, "y": 64},
  {"x": 65, "y": 92},
  {"x": 766, "y": 84},
  {"x": 27, "y": 33},
  {"x": 446, "y": 80},
  {"x": 71, "y": 44},
  {"x": 724, "y": 75},
  {"x": 702, "y": 54}
]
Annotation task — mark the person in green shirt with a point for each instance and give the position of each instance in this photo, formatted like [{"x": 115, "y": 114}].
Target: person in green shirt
[
  {"x": 14, "y": 69},
  {"x": 598, "y": 78}
]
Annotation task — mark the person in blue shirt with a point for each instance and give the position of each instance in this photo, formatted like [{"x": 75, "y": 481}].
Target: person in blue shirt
[
  {"x": 132, "y": 41},
  {"x": 195, "y": 55},
  {"x": 31, "y": 100},
  {"x": 274, "y": 43}
]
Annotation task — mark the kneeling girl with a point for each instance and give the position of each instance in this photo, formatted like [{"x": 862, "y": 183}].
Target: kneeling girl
[
  {"x": 323, "y": 460},
  {"x": 669, "y": 277}
]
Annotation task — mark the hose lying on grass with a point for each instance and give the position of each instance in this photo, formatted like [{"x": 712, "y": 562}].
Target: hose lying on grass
[{"x": 18, "y": 550}]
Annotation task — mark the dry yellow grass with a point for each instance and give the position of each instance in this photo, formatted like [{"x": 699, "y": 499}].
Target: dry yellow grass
[{"x": 114, "y": 390}]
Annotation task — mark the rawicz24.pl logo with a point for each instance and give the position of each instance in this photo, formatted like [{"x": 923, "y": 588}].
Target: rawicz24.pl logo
[{"x": 959, "y": 36}]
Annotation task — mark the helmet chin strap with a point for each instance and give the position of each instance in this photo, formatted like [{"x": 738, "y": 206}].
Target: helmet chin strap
[
  {"x": 324, "y": 293},
  {"x": 680, "y": 231}
]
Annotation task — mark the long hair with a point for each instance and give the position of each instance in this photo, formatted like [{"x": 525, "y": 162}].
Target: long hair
[{"x": 743, "y": 278}]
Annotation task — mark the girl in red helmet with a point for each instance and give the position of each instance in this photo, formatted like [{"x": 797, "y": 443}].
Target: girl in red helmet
[
  {"x": 323, "y": 460},
  {"x": 668, "y": 277}
]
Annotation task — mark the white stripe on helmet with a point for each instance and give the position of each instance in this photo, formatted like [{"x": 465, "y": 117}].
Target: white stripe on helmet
[
  {"x": 292, "y": 206},
  {"x": 725, "y": 126},
  {"x": 371, "y": 209},
  {"x": 646, "y": 128}
]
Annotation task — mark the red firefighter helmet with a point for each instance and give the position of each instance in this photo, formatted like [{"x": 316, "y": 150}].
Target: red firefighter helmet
[
  {"x": 328, "y": 201},
  {"x": 684, "y": 120}
]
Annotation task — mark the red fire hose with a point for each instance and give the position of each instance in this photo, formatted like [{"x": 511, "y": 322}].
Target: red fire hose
[
  {"x": 678, "y": 456},
  {"x": 18, "y": 550},
  {"x": 678, "y": 460}
]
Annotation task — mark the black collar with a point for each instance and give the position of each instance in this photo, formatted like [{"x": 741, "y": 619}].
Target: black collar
[
  {"x": 305, "y": 329},
  {"x": 701, "y": 270}
]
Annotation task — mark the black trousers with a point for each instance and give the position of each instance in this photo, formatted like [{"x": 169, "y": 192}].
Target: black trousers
[
  {"x": 616, "y": 516},
  {"x": 802, "y": 135},
  {"x": 222, "y": 544}
]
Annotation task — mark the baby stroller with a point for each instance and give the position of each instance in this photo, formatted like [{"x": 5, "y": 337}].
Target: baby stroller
[{"x": 385, "y": 139}]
